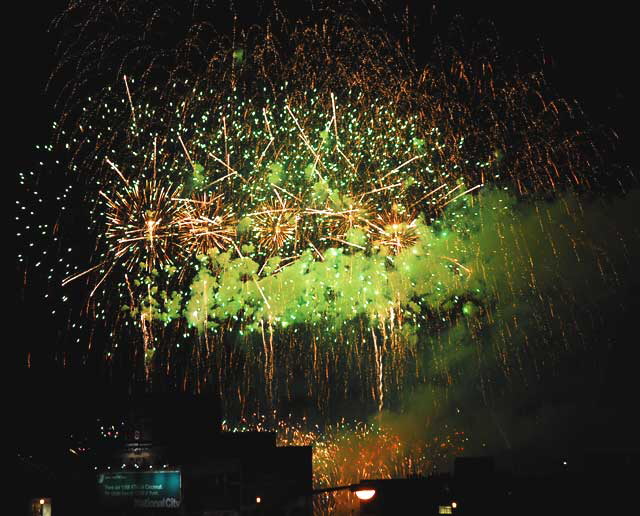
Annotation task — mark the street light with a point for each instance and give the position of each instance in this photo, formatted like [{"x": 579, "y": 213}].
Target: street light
[
  {"x": 364, "y": 490},
  {"x": 365, "y": 494}
]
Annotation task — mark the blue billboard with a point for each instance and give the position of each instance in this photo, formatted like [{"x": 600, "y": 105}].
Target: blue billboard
[{"x": 144, "y": 489}]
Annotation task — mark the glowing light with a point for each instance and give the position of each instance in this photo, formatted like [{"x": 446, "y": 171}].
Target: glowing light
[{"x": 365, "y": 494}]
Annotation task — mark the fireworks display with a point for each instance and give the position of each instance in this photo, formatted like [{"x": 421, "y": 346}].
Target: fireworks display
[
  {"x": 344, "y": 453},
  {"x": 313, "y": 210}
]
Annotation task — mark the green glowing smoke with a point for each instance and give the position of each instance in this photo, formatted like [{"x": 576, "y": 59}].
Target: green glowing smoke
[
  {"x": 524, "y": 366},
  {"x": 342, "y": 285}
]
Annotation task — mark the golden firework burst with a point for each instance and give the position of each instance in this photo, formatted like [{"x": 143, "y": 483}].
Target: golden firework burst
[
  {"x": 396, "y": 230},
  {"x": 274, "y": 223},
  {"x": 140, "y": 223},
  {"x": 205, "y": 223}
]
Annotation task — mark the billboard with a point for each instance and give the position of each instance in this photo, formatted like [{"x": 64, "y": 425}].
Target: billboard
[{"x": 145, "y": 489}]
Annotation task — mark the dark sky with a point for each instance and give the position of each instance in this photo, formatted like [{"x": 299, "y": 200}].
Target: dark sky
[{"x": 592, "y": 48}]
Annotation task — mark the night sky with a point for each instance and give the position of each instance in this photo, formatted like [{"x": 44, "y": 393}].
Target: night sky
[{"x": 591, "y": 56}]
